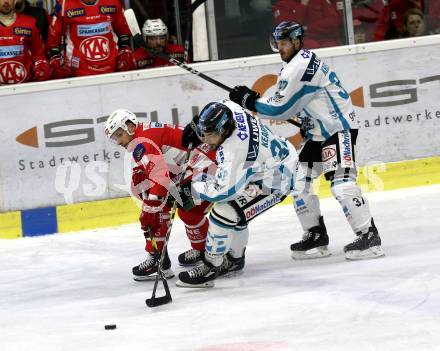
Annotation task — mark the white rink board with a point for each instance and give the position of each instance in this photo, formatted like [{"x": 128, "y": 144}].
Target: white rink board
[{"x": 175, "y": 97}]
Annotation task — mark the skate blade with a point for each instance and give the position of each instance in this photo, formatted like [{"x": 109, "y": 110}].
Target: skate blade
[
  {"x": 168, "y": 274},
  {"x": 181, "y": 284},
  {"x": 371, "y": 253},
  {"x": 317, "y": 252}
]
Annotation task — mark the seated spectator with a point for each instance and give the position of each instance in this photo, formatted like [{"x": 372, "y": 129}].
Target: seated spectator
[
  {"x": 155, "y": 33},
  {"x": 22, "y": 56},
  {"x": 390, "y": 22},
  {"x": 88, "y": 28},
  {"x": 40, "y": 15},
  {"x": 322, "y": 19},
  {"x": 433, "y": 16},
  {"x": 413, "y": 24}
]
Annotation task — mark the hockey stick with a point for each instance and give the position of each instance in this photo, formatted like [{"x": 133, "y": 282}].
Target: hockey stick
[
  {"x": 162, "y": 300},
  {"x": 189, "y": 25},
  {"x": 139, "y": 40}
]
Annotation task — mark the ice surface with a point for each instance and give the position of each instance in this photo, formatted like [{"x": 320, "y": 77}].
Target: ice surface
[{"x": 57, "y": 292}]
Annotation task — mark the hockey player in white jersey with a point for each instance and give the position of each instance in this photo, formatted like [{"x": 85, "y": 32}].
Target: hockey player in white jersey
[
  {"x": 308, "y": 88},
  {"x": 255, "y": 171}
]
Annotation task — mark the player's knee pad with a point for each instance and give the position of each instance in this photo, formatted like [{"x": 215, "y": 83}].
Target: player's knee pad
[
  {"x": 354, "y": 205},
  {"x": 222, "y": 222},
  {"x": 240, "y": 238}
]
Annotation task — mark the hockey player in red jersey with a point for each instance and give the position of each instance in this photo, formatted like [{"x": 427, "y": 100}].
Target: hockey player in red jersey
[
  {"x": 82, "y": 39},
  {"x": 22, "y": 56},
  {"x": 155, "y": 33},
  {"x": 159, "y": 155}
]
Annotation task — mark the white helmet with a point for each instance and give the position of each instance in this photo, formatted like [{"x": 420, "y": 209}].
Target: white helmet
[
  {"x": 154, "y": 27},
  {"x": 119, "y": 119}
]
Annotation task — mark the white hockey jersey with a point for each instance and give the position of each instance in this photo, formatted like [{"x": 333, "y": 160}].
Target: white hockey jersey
[
  {"x": 251, "y": 155},
  {"x": 309, "y": 89}
]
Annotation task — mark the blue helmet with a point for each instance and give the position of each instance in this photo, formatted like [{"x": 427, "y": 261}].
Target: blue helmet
[
  {"x": 215, "y": 117},
  {"x": 286, "y": 30}
]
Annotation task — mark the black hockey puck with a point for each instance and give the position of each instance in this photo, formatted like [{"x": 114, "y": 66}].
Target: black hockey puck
[{"x": 110, "y": 326}]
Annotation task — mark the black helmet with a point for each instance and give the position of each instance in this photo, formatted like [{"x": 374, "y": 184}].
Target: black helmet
[
  {"x": 215, "y": 117},
  {"x": 286, "y": 30}
]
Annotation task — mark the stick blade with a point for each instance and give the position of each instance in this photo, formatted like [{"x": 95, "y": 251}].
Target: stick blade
[
  {"x": 130, "y": 17},
  {"x": 158, "y": 301}
]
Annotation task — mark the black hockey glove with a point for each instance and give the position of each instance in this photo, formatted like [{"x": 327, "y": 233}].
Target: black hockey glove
[
  {"x": 190, "y": 135},
  {"x": 244, "y": 96},
  {"x": 187, "y": 201}
]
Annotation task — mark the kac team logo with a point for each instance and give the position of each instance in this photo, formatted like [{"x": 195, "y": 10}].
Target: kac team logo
[
  {"x": 12, "y": 72},
  {"x": 96, "y": 48}
]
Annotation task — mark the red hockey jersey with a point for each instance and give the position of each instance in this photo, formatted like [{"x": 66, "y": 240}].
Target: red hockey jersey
[
  {"x": 90, "y": 33},
  {"x": 158, "y": 150},
  {"x": 20, "y": 46},
  {"x": 145, "y": 60}
]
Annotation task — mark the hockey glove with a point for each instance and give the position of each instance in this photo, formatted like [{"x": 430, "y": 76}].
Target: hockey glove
[
  {"x": 139, "y": 181},
  {"x": 41, "y": 70},
  {"x": 188, "y": 201},
  {"x": 244, "y": 96},
  {"x": 153, "y": 216},
  {"x": 58, "y": 69},
  {"x": 189, "y": 135},
  {"x": 125, "y": 60}
]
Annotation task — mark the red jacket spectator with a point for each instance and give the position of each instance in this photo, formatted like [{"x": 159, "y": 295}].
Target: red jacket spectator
[
  {"x": 22, "y": 54},
  {"x": 89, "y": 29},
  {"x": 322, "y": 20},
  {"x": 365, "y": 15},
  {"x": 389, "y": 25}
]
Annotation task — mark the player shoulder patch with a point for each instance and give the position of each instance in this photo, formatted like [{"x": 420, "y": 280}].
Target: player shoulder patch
[
  {"x": 138, "y": 152},
  {"x": 311, "y": 69}
]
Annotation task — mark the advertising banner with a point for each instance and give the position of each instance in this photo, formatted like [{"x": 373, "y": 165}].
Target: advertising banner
[{"x": 55, "y": 151}]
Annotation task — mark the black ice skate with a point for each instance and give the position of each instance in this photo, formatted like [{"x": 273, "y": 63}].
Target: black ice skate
[
  {"x": 231, "y": 266},
  {"x": 201, "y": 276},
  {"x": 366, "y": 246},
  {"x": 190, "y": 257},
  {"x": 147, "y": 270},
  {"x": 313, "y": 244}
]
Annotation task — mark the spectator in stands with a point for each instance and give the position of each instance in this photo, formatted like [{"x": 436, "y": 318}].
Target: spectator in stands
[
  {"x": 322, "y": 19},
  {"x": 40, "y": 15},
  {"x": 88, "y": 28},
  {"x": 433, "y": 16},
  {"x": 390, "y": 22},
  {"x": 365, "y": 16},
  {"x": 22, "y": 52},
  {"x": 155, "y": 33},
  {"x": 413, "y": 24}
]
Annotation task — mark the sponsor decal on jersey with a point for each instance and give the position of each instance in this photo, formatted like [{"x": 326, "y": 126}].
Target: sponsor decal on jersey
[
  {"x": 145, "y": 62},
  {"x": 241, "y": 126},
  {"x": 329, "y": 159},
  {"x": 12, "y": 72},
  {"x": 220, "y": 155},
  {"x": 105, "y": 10},
  {"x": 264, "y": 135},
  {"x": 138, "y": 152},
  {"x": 75, "y": 62},
  {"x": 262, "y": 205},
  {"x": 325, "y": 68},
  {"x": 95, "y": 48},
  {"x": 222, "y": 173},
  {"x": 78, "y": 12},
  {"x": 345, "y": 148},
  {"x": 11, "y": 51},
  {"x": 89, "y": 30},
  {"x": 22, "y": 31},
  {"x": 306, "y": 53},
  {"x": 311, "y": 69},
  {"x": 254, "y": 139}
]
